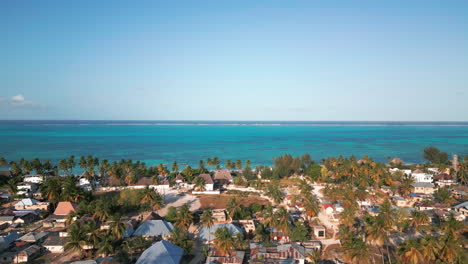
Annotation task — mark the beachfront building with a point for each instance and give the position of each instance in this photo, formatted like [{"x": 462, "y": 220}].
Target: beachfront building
[
  {"x": 209, "y": 184},
  {"x": 420, "y": 176},
  {"x": 161, "y": 252},
  {"x": 223, "y": 176}
]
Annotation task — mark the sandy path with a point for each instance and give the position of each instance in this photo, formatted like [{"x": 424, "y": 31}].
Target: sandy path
[{"x": 172, "y": 199}]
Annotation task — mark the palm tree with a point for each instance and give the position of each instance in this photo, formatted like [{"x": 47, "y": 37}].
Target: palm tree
[
  {"x": 410, "y": 252},
  {"x": 269, "y": 217},
  {"x": 356, "y": 250},
  {"x": 206, "y": 218},
  {"x": 118, "y": 228},
  {"x": 311, "y": 207},
  {"x": 51, "y": 189},
  {"x": 207, "y": 221},
  {"x": 71, "y": 216},
  {"x": 314, "y": 256},
  {"x": 199, "y": 184},
  {"x": 282, "y": 223},
  {"x": 184, "y": 218},
  {"x": 175, "y": 167},
  {"x": 418, "y": 218},
  {"x": 76, "y": 239},
  {"x": 224, "y": 241},
  {"x": 376, "y": 233},
  {"x": 429, "y": 247},
  {"x": 105, "y": 246},
  {"x": 11, "y": 186},
  {"x": 233, "y": 207},
  {"x": 181, "y": 239},
  {"x": 151, "y": 197},
  {"x": 274, "y": 192},
  {"x": 3, "y": 162}
]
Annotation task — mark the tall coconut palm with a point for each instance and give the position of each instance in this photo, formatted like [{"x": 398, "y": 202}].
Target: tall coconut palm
[
  {"x": 51, "y": 189},
  {"x": 311, "y": 208},
  {"x": 282, "y": 222},
  {"x": 224, "y": 241},
  {"x": 181, "y": 239},
  {"x": 105, "y": 247},
  {"x": 206, "y": 220},
  {"x": 356, "y": 250},
  {"x": 199, "y": 184},
  {"x": 76, "y": 238},
  {"x": 418, "y": 218},
  {"x": 269, "y": 217},
  {"x": 429, "y": 248},
  {"x": 410, "y": 252},
  {"x": 118, "y": 228},
  {"x": 184, "y": 217},
  {"x": 175, "y": 167},
  {"x": 233, "y": 207}
]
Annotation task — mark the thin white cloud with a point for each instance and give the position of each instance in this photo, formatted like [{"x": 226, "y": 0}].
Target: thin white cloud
[
  {"x": 18, "y": 101},
  {"x": 18, "y": 98}
]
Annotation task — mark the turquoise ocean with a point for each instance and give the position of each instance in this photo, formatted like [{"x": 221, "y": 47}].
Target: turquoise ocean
[{"x": 157, "y": 142}]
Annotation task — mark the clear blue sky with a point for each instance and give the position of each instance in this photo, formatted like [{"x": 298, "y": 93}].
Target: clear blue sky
[{"x": 234, "y": 60}]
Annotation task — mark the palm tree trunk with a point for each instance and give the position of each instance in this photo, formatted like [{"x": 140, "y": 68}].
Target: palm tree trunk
[{"x": 388, "y": 253}]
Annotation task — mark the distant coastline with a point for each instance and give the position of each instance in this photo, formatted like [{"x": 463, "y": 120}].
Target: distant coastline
[{"x": 232, "y": 123}]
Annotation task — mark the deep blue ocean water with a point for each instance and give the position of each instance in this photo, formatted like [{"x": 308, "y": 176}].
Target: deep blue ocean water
[{"x": 157, "y": 142}]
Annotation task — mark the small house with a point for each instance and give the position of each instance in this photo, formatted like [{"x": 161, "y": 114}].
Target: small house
[
  {"x": 161, "y": 252},
  {"x": 28, "y": 254},
  {"x": 328, "y": 208},
  {"x": 154, "y": 229},
  {"x": 54, "y": 244},
  {"x": 219, "y": 216},
  {"x": 319, "y": 231},
  {"x": 223, "y": 176},
  {"x": 31, "y": 204},
  {"x": 423, "y": 187},
  {"x": 234, "y": 257},
  {"x": 209, "y": 184},
  {"x": 64, "y": 208}
]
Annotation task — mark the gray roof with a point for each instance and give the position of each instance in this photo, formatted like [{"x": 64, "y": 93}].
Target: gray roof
[
  {"x": 464, "y": 204},
  {"x": 161, "y": 252},
  {"x": 54, "y": 241},
  {"x": 7, "y": 239},
  {"x": 154, "y": 228},
  {"x": 26, "y": 202},
  {"x": 6, "y": 218},
  {"x": 33, "y": 237},
  {"x": 206, "y": 234},
  {"x": 423, "y": 184}
]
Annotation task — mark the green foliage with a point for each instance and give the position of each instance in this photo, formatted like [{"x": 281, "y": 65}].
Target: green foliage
[
  {"x": 299, "y": 232},
  {"x": 171, "y": 215},
  {"x": 435, "y": 156},
  {"x": 443, "y": 195},
  {"x": 181, "y": 238}
]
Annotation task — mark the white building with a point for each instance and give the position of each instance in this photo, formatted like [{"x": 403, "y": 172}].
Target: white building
[
  {"x": 420, "y": 176},
  {"x": 33, "y": 178}
]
